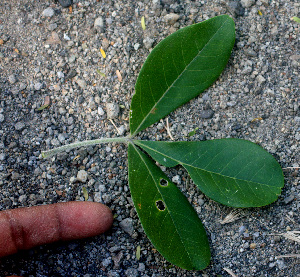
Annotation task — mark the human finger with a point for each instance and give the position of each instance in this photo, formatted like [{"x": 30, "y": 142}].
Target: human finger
[{"x": 24, "y": 228}]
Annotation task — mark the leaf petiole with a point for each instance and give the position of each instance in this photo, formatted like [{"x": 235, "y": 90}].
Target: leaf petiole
[{"x": 52, "y": 152}]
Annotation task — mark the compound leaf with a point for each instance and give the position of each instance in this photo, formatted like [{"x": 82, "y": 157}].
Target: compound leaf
[
  {"x": 234, "y": 172},
  {"x": 167, "y": 217},
  {"x": 179, "y": 68}
]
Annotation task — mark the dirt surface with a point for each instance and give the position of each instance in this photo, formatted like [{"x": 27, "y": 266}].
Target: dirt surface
[{"x": 53, "y": 91}]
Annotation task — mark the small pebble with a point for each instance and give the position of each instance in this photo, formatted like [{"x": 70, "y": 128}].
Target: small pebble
[
  {"x": 176, "y": 179},
  {"x": 66, "y": 37},
  {"x": 98, "y": 197},
  {"x": 148, "y": 42},
  {"x": 112, "y": 110},
  {"x": 127, "y": 225},
  {"x": 49, "y": 12},
  {"x": 72, "y": 59},
  {"x": 277, "y": 238},
  {"x": 171, "y": 18},
  {"x": 81, "y": 83},
  {"x": 256, "y": 234},
  {"x": 19, "y": 126},
  {"x": 71, "y": 74},
  {"x": 99, "y": 22},
  {"x": 52, "y": 26},
  {"x": 22, "y": 198},
  {"x": 131, "y": 272},
  {"x": 206, "y": 114},
  {"x": 236, "y": 8},
  {"x": 247, "y": 3},
  {"x": 15, "y": 176},
  {"x": 82, "y": 176},
  {"x": 289, "y": 199},
  {"x": 12, "y": 79},
  {"x": 260, "y": 79},
  {"x": 141, "y": 267},
  {"x": 106, "y": 262},
  {"x": 122, "y": 130},
  {"x": 242, "y": 229},
  {"x": 61, "y": 138},
  {"x": 60, "y": 74},
  {"x": 38, "y": 86},
  {"x": 2, "y": 157},
  {"x": 250, "y": 52},
  {"x": 66, "y": 3},
  {"x": 100, "y": 111}
]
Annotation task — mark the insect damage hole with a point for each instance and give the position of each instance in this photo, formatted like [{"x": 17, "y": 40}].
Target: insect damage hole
[
  {"x": 160, "y": 205},
  {"x": 163, "y": 182}
]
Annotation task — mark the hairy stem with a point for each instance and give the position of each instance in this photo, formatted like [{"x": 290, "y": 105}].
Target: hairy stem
[{"x": 52, "y": 152}]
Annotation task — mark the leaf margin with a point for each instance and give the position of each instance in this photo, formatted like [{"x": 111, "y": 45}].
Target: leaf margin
[
  {"x": 138, "y": 94},
  {"x": 169, "y": 162},
  {"x": 206, "y": 247}
]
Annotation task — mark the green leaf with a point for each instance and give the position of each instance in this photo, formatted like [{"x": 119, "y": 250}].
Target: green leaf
[
  {"x": 101, "y": 73},
  {"x": 43, "y": 107},
  {"x": 138, "y": 252},
  {"x": 143, "y": 23},
  {"x": 296, "y": 19},
  {"x": 234, "y": 172},
  {"x": 85, "y": 194},
  {"x": 167, "y": 217},
  {"x": 192, "y": 133},
  {"x": 179, "y": 68}
]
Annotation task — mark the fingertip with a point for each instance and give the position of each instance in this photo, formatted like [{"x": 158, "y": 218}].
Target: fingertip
[{"x": 83, "y": 219}]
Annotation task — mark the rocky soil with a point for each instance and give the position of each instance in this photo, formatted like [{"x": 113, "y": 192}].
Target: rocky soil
[{"x": 56, "y": 87}]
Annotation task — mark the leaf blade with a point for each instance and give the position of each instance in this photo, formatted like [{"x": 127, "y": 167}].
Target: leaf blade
[
  {"x": 103, "y": 53},
  {"x": 176, "y": 232},
  {"x": 143, "y": 23},
  {"x": 234, "y": 172},
  {"x": 179, "y": 68},
  {"x": 296, "y": 19}
]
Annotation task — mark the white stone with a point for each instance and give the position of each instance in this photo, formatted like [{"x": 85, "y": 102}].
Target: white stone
[
  {"x": 112, "y": 110},
  {"x": 247, "y": 3},
  {"x": 100, "y": 111},
  {"x": 66, "y": 37},
  {"x": 81, "y": 83},
  {"x": 22, "y": 198},
  {"x": 61, "y": 138},
  {"x": 12, "y": 79},
  {"x": 122, "y": 130},
  {"x": 148, "y": 42},
  {"x": 171, "y": 18},
  {"x": 60, "y": 74},
  {"x": 127, "y": 225},
  {"x": 82, "y": 176},
  {"x": 176, "y": 179},
  {"x": 99, "y": 22},
  {"x": 49, "y": 12},
  {"x": 38, "y": 86},
  {"x": 98, "y": 197},
  {"x": 260, "y": 79}
]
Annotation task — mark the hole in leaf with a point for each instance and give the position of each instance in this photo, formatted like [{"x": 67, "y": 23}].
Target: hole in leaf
[
  {"x": 160, "y": 205},
  {"x": 163, "y": 182}
]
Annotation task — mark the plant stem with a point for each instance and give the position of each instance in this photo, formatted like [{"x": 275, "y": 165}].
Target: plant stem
[{"x": 52, "y": 152}]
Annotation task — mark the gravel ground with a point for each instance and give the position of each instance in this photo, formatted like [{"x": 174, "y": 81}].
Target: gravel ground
[{"x": 51, "y": 55}]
